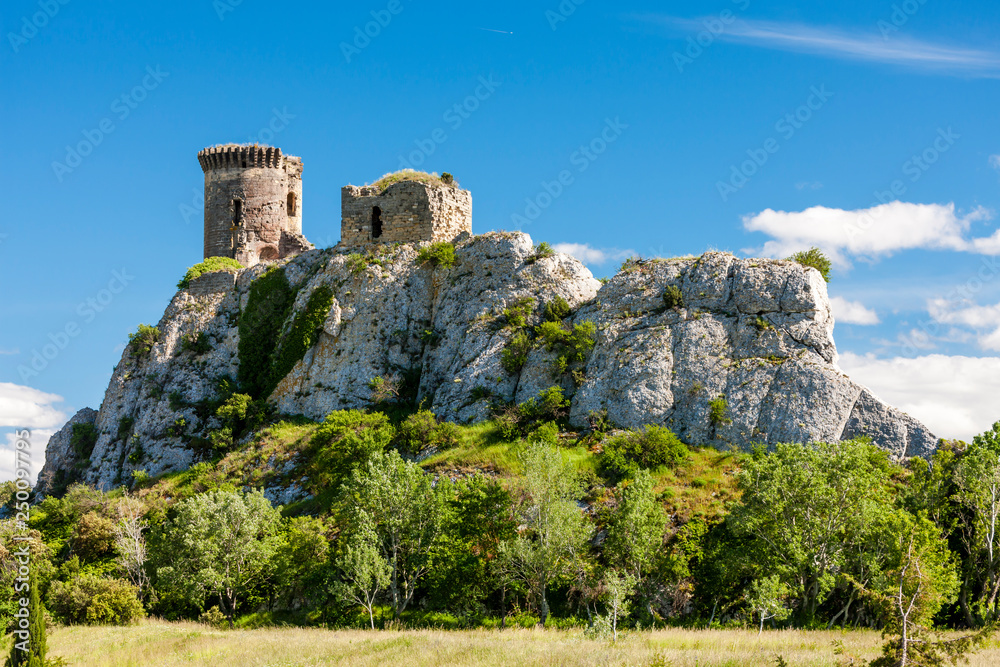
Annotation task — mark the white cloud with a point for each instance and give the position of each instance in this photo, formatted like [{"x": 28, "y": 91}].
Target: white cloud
[
  {"x": 955, "y": 397},
  {"x": 869, "y": 46},
  {"x": 24, "y": 407},
  {"x": 984, "y": 320},
  {"x": 39, "y": 439},
  {"x": 589, "y": 255},
  {"x": 852, "y": 312},
  {"x": 868, "y": 233},
  {"x": 27, "y": 408},
  {"x": 995, "y": 161},
  {"x": 808, "y": 185}
]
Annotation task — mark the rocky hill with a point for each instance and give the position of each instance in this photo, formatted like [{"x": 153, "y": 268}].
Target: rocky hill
[{"x": 719, "y": 349}]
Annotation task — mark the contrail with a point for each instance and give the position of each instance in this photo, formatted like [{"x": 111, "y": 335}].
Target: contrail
[{"x": 504, "y": 32}]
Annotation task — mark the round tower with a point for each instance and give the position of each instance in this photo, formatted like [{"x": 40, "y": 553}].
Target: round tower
[{"x": 253, "y": 203}]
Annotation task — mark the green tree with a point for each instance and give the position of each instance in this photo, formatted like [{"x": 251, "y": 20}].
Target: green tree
[
  {"x": 806, "y": 505},
  {"x": 364, "y": 572},
  {"x": 556, "y": 532},
  {"x": 977, "y": 482},
  {"x": 635, "y": 530},
  {"x": 29, "y": 642},
  {"x": 814, "y": 258},
  {"x": 766, "y": 598},
  {"x": 219, "y": 544},
  {"x": 406, "y": 513},
  {"x": 618, "y": 587},
  {"x": 301, "y": 562}
]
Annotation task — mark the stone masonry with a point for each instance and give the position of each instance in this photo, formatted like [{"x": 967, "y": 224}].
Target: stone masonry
[
  {"x": 253, "y": 203},
  {"x": 405, "y": 212}
]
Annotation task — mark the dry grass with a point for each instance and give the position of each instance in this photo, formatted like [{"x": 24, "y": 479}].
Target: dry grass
[{"x": 162, "y": 643}]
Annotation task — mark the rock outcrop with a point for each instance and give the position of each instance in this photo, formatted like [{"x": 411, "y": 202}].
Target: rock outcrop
[{"x": 741, "y": 352}]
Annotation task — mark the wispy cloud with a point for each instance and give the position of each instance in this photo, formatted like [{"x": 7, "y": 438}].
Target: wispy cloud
[
  {"x": 853, "y": 312},
  {"x": 854, "y": 45},
  {"x": 593, "y": 256}
]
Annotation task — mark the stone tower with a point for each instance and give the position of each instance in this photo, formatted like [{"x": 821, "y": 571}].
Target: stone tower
[
  {"x": 253, "y": 203},
  {"x": 404, "y": 212}
]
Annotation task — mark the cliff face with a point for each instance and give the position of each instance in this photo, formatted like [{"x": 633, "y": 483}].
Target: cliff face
[{"x": 744, "y": 352}]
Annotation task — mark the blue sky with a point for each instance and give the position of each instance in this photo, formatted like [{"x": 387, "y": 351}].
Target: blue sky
[{"x": 867, "y": 128}]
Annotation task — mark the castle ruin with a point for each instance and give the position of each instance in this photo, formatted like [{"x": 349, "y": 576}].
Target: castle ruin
[
  {"x": 253, "y": 207},
  {"x": 253, "y": 203},
  {"x": 404, "y": 212}
]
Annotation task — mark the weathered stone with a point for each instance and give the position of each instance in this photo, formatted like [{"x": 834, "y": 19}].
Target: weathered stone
[{"x": 752, "y": 336}]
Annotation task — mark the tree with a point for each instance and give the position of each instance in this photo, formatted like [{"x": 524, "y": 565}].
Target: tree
[
  {"x": 555, "y": 531},
  {"x": 766, "y": 598},
  {"x": 406, "y": 514},
  {"x": 814, "y": 258},
  {"x": 807, "y": 506},
  {"x": 364, "y": 572},
  {"x": 977, "y": 478},
  {"x": 30, "y": 650},
  {"x": 130, "y": 544},
  {"x": 219, "y": 543},
  {"x": 300, "y": 563},
  {"x": 635, "y": 530},
  {"x": 618, "y": 587}
]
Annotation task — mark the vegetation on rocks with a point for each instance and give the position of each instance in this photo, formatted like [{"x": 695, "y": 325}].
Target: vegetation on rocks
[
  {"x": 210, "y": 265},
  {"x": 814, "y": 258}
]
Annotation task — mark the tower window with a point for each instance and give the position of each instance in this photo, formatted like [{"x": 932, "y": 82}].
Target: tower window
[
  {"x": 376, "y": 222},
  {"x": 291, "y": 204},
  {"x": 237, "y": 212}
]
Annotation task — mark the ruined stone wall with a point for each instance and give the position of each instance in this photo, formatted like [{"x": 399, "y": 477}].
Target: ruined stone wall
[
  {"x": 409, "y": 212},
  {"x": 257, "y": 181}
]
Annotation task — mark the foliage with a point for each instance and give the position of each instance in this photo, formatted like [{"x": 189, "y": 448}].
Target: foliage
[
  {"x": 766, "y": 598},
  {"x": 515, "y": 353},
  {"x": 650, "y": 448},
  {"x": 93, "y": 536},
  {"x": 441, "y": 254},
  {"x": 414, "y": 175},
  {"x": 219, "y": 544},
  {"x": 363, "y": 569},
  {"x": 549, "y": 406},
  {"x": 196, "y": 343},
  {"x": 30, "y": 646},
  {"x": 239, "y": 414},
  {"x": 673, "y": 298},
  {"x": 542, "y": 251},
  {"x": 618, "y": 588},
  {"x": 92, "y": 600},
  {"x": 346, "y": 440},
  {"x": 384, "y": 390},
  {"x": 210, "y": 265},
  {"x": 421, "y": 432},
  {"x": 718, "y": 411},
  {"x": 555, "y": 532},
  {"x": 82, "y": 439},
  {"x": 270, "y": 299},
  {"x": 636, "y": 529},
  {"x": 557, "y": 309},
  {"x": 405, "y": 511},
  {"x": 302, "y": 335},
  {"x": 517, "y": 313},
  {"x": 814, "y": 258},
  {"x": 141, "y": 343}
]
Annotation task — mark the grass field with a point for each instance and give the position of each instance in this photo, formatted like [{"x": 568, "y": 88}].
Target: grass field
[{"x": 162, "y": 643}]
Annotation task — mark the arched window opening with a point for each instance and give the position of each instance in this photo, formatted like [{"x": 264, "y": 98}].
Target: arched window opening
[
  {"x": 376, "y": 222},
  {"x": 291, "y": 204},
  {"x": 237, "y": 212}
]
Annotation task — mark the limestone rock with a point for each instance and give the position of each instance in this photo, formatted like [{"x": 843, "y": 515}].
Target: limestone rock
[{"x": 747, "y": 357}]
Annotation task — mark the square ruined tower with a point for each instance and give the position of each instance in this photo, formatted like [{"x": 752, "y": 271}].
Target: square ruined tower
[{"x": 404, "y": 212}]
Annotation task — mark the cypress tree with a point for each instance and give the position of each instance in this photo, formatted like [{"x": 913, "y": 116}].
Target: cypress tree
[{"x": 35, "y": 655}]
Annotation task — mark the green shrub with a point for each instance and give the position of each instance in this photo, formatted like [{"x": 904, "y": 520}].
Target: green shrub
[
  {"x": 82, "y": 440},
  {"x": 345, "y": 440},
  {"x": 125, "y": 425},
  {"x": 557, "y": 310},
  {"x": 673, "y": 297},
  {"x": 440, "y": 254},
  {"x": 814, "y": 258},
  {"x": 515, "y": 353},
  {"x": 542, "y": 250},
  {"x": 421, "y": 431},
  {"x": 137, "y": 455},
  {"x": 198, "y": 343},
  {"x": 548, "y": 407},
  {"x": 91, "y": 600},
  {"x": 762, "y": 325},
  {"x": 414, "y": 175},
  {"x": 210, "y": 265},
  {"x": 142, "y": 341},
  {"x": 517, "y": 313},
  {"x": 239, "y": 415},
  {"x": 718, "y": 411},
  {"x": 356, "y": 263},
  {"x": 214, "y": 618},
  {"x": 650, "y": 448}
]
